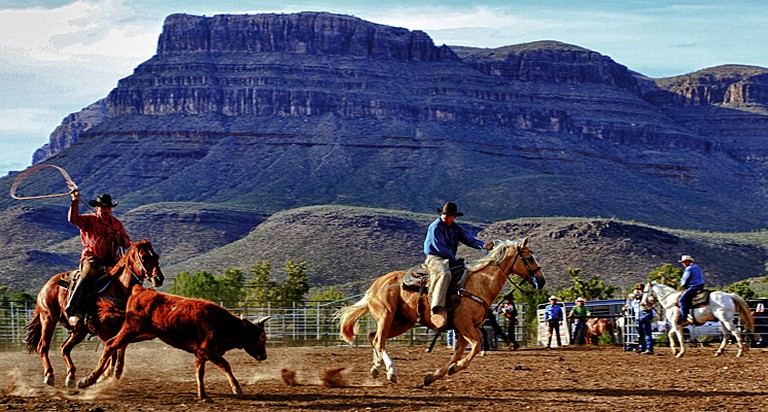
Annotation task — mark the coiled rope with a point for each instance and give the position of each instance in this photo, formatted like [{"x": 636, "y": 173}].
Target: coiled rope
[{"x": 23, "y": 175}]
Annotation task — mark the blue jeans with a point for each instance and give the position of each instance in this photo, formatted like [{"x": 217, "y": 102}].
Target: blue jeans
[
  {"x": 644, "y": 330},
  {"x": 686, "y": 298},
  {"x": 579, "y": 332}
]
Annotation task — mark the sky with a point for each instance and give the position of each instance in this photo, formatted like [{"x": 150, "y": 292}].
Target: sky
[{"x": 59, "y": 56}]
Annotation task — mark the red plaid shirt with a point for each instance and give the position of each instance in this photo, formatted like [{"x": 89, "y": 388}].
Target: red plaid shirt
[{"x": 101, "y": 237}]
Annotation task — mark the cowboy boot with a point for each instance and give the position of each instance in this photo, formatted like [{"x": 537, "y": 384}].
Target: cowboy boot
[{"x": 73, "y": 309}]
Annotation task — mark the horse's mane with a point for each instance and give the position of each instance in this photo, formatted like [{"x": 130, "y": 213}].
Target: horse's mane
[
  {"x": 114, "y": 270},
  {"x": 499, "y": 252}
]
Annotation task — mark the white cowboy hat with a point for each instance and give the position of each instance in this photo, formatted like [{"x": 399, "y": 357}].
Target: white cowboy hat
[
  {"x": 580, "y": 299},
  {"x": 553, "y": 297},
  {"x": 686, "y": 258}
]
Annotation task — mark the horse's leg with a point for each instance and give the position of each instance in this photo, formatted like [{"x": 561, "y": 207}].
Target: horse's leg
[
  {"x": 111, "y": 368},
  {"x": 471, "y": 335},
  {"x": 120, "y": 341},
  {"x": 48, "y": 328},
  {"x": 376, "y": 368},
  {"x": 680, "y": 338},
  {"x": 384, "y": 318},
  {"x": 728, "y": 328},
  {"x": 76, "y": 336},
  {"x": 120, "y": 363}
]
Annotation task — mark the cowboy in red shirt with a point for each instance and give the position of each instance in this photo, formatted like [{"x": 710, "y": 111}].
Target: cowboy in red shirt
[{"x": 101, "y": 234}]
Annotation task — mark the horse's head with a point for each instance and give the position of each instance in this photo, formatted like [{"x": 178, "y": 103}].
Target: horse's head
[
  {"x": 144, "y": 263},
  {"x": 523, "y": 263}
]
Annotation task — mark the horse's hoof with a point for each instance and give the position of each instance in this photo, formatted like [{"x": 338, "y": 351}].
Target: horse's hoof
[
  {"x": 392, "y": 377},
  {"x": 70, "y": 382},
  {"x": 429, "y": 379},
  {"x": 84, "y": 382},
  {"x": 452, "y": 369},
  {"x": 374, "y": 372},
  {"x": 238, "y": 393},
  {"x": 48, "y": 380}
]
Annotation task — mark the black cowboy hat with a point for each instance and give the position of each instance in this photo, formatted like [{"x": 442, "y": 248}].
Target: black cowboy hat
[
  {"x": 104, "y": 200},
  {"x": 450, "y": 209}
]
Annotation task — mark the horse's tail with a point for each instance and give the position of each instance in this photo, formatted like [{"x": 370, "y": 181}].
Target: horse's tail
[
  {"x": 745, "y": 313},
  {"x": 348, "y": 319},
  {"x": 34, "y": 332}
]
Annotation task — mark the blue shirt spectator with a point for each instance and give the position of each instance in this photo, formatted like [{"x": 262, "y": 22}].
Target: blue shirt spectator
[{"x": 553, "y": 311}]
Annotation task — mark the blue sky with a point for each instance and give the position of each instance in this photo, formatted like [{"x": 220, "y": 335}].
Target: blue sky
[{"x": 58, "y": 56}]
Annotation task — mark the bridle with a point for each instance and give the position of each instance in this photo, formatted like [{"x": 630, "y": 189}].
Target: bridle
[
  {"x": 142, "y": 265},
  {"x": 529, "y": 277},
  {"x": 657, "y": 299}
]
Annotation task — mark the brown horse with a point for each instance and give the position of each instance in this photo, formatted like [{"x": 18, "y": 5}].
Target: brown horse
[
  {"x": 396, "y": 309},
  {"x": 138, "y": 264},
  {"x": 596, "y": 327}
]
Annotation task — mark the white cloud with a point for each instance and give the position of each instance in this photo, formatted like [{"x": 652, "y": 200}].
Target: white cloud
[
  {"x": 78, "y": 31},
  {"x": 26, "y": 120}
]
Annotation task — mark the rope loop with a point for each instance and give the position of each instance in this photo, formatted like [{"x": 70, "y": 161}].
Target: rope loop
[{"x": 23, "y": 175}]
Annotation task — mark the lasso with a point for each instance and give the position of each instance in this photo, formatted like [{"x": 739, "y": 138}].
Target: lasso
[{"x": 23, "y": 175}]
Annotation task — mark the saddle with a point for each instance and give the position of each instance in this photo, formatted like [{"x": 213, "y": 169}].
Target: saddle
[
  {"x": 415, "y": 280},
  {"x": 416, "y": 277},
  {"x": 700, "y": 299}
]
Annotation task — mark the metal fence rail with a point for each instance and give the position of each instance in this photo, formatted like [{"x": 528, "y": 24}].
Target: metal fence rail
[{"x": 297, "y": 325}]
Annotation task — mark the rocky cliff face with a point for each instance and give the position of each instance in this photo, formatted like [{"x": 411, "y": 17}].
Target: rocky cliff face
[
  {"x": 70, "y": 129},
  {"x": 240, "y": 117},
  {"x": 305, "y": 33}
]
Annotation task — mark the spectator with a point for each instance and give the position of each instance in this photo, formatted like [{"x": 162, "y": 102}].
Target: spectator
[
  {"x": 644, "y": 329},
  {"x": 553, "y": 316},
  {"x": 579, "y": 315},
  {"x": 510, "y": 312},
  {"x": 490, "y": 320}
]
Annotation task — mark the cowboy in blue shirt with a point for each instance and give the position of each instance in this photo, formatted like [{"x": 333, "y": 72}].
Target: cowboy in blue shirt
[
  {"x": 553, "y": 316},
  {"x": 440, "y": 245},
  {"x": 693, "y": 281}
]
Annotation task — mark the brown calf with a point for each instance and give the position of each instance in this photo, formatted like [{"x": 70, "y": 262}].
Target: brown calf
[{"x": 197, "y": 326}]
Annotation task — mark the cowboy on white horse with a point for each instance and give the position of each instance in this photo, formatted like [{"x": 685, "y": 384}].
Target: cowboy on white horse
[{"x": 693, "y": 282}]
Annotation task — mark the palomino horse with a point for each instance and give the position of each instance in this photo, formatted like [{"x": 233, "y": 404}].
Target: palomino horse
[
  {"x": 396, "y": 309},
  {"x": 138, "y": 264},
  {"x": 721, "y": 306}
]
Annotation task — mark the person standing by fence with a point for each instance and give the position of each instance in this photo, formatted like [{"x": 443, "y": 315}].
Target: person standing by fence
[
  {"x": 579, "y": 315},
  {"x": 644, "y": 327},
  {"x": 510, "y": 313},
  {"x": 553, "y": 316}
]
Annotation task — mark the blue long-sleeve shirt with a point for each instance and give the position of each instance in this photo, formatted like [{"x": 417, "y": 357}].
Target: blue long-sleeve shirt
[
  {"x": 553, "y": 312},
  {"x": 692, "y": 276},
  {"x": 443, "y": 240}
]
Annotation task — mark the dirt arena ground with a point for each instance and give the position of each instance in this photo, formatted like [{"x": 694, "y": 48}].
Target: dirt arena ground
[{"x": 160, "y": 378}]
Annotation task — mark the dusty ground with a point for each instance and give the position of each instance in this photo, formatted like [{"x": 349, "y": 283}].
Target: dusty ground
[{"x": 160, "y": 378}]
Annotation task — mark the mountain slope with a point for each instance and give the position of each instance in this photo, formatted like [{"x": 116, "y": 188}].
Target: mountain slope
[{"x": 242, "y": 117}]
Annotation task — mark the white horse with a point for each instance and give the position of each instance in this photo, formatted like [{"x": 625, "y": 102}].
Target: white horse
[{"x": 721, "y": 306}]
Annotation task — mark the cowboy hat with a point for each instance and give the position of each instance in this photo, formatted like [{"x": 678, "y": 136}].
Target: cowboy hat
[
  {"x": 553, "y": 297},
  {"x": 580, "y": 299},
  {"x": 104, "y": 200},
  {"x": 450, "y": 209},
  {"x": 686, "y": 258}
]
